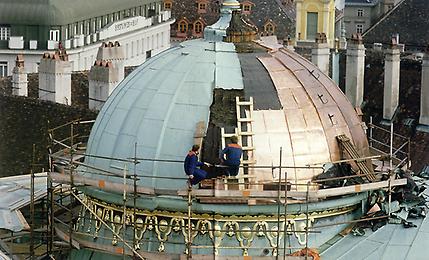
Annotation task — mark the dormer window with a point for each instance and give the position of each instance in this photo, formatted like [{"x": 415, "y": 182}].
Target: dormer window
[
  {"x": 168, "y": 5},
  {"x": 202, "y": 6},
  {"x": 4, "y": 33},
  {"x": 183, "y": 26},
  {"x": 54, "y": 35},
  {"x": 269, "y": 27},
  {"x": 246, "y": 7},
  {"x": 198, "y": 27}
]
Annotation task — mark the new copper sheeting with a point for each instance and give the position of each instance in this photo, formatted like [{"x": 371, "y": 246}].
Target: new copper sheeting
[
  {"x": 306, "y": 133},
  {"x": 271, "y": 133},
  {"x": 358, "y": 136},
  {"x": 316, "y": 111}
]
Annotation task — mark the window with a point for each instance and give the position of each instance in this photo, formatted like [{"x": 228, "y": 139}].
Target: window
[
  {"x": 183, "y": 26},
  {"x": 202, "y": 6},
  {"x": 3, "y": 69},
  {"x": 360, "y": 12},
  {"x": 4, "y": 33},
  {"x": 87, "y": 28},
  {"x": 167, "y": 5},
  {"x": 359, "y": 28},
  {"x": 246, "y": 8},
  {"x": 312, "y": 25},
  {"x": 54, "y": 35},
  {"x": 138, "y": 48},
  {"x": 198, "y": 27},
  {"x": 269, "y": 27}
]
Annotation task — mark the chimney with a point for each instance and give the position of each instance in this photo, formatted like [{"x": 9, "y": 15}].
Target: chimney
[
  {"x": 320, "y": 53},
  {"x": 19, "y": 78},
  {"x": 103, "y": 79},
  {"x": 355, "y": 70},
  {"x": 335, "y": 63},
  {"x": 289, "y": 43},
  {"x": 424, "y": 96},
  {"x": 392, "y": 61},
  {"x": 114, "y": 53},
  {"x": 55, "y": 77}
]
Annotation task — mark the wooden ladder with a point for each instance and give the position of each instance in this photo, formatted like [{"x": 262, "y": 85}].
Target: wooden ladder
[
  {"x": 244, "y": 133},
  {"x": 351, "y": 150}
]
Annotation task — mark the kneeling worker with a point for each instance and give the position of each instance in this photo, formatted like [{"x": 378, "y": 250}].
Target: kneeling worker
[
  {"x": 191, "y": 166},
  {"x": 231, "y": 155}
]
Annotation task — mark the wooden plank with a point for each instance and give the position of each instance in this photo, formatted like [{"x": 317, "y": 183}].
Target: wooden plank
[
  {"x": 100, "y": 184},
  {"x": 296, "y": 194},
  {"x": 362, "y": 187},
  {"x": 200, "y": 132}
]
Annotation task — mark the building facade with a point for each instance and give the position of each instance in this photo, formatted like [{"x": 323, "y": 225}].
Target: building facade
[
  {"x": 34, "y": 27},
  {"x": 312, "y": 17},
  {"x": 360, "y": 15}
]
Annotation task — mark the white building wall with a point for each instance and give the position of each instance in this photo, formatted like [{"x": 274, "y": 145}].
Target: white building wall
[{"x": 83, "y": 58}]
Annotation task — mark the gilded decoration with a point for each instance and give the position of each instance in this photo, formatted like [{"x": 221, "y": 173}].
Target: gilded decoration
[{"x": 245, "y": 229}]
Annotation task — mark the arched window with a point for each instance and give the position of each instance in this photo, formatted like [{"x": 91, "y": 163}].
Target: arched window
[
  {"x": 183, "y": 26},
  {"x": 198, "y": 27}
]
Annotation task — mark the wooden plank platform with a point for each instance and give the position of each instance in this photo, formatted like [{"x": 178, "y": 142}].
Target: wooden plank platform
[{"x": 246, "y": 194}]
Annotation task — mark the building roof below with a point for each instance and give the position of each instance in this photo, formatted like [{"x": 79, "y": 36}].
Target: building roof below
[
  {"x": 361, "y": 2},
  {"x": 410, "y": 19},
  {"x": 59, "y": 12}
]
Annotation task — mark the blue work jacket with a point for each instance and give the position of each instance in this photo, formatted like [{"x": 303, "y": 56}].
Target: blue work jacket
[
  {"x": 233, "y": 154},
  {"x": 191, "y": 163}
]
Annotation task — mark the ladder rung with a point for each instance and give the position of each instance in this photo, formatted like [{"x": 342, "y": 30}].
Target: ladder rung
[
  {"x": 229, "y": 135},
  {"x": 245, "y": 120},
  {"x": 244, "y": 103},
  {"x": 248, "y": 162},
  {"x": 248, "y": 148},
  {"x": 245, "y": 133}
]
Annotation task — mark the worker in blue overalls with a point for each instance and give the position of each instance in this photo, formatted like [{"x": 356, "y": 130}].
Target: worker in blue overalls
[
  {"x": 191, "y": 165},
  {"x": 231, "y": 155}
]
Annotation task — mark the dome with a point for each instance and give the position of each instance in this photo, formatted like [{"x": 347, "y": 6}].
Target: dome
[{"x": 154, "y": 112}]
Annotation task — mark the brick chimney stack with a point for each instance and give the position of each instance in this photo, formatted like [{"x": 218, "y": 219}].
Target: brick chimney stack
[
  {"x": 424, "y": 96},
  {"x": 55, "y": 77},
  {"x": 355, "y": 70},
  {"x": 320, "y": 53},
  {"x": 392, "y": 61},
  {"x": 19, "y": 77},
  {"x": 103, "y": 79},
  {"x": 106, "y": 74},
  {"x": 114, "y": 53}
]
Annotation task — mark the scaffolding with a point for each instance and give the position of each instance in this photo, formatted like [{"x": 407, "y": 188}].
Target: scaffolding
[{"x": 62, "y": 189}]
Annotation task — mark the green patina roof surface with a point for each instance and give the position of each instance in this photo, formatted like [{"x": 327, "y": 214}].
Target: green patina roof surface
[{"x": 60, "y": 12}]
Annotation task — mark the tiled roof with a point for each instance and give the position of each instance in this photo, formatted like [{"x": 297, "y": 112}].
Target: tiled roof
[
  {"x": 282, "y": 15},
  {"x": 265, "y": 10},
  {"x": 410, "y": 19}
]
